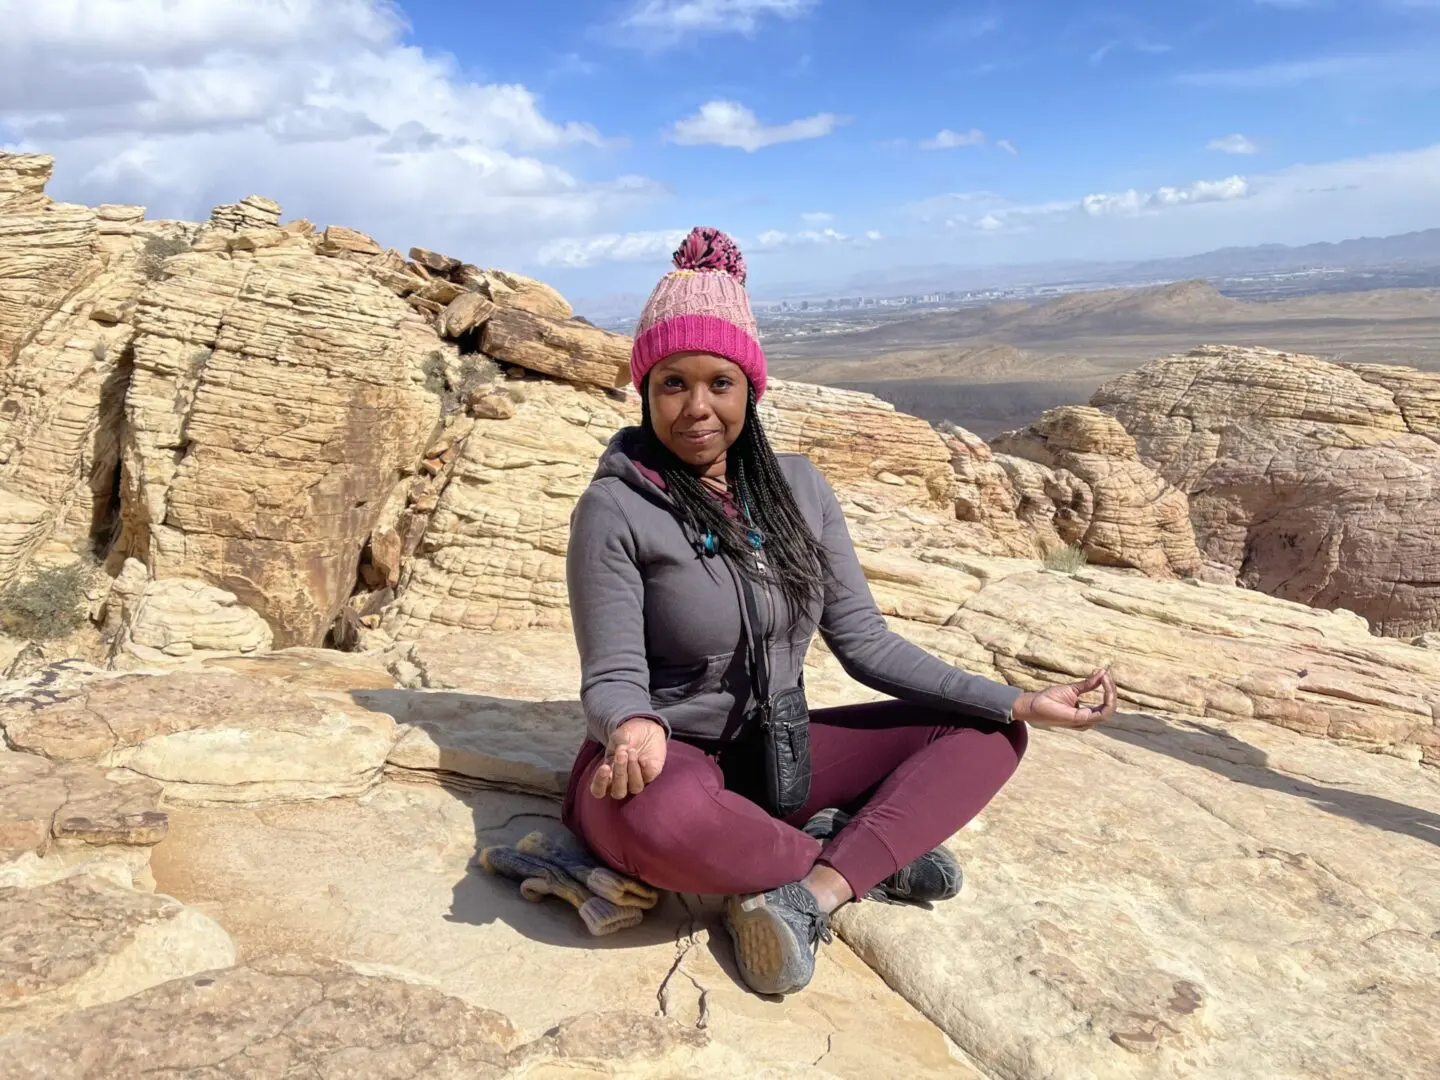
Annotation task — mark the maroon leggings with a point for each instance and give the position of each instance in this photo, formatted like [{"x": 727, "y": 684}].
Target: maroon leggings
[{"x": 912, "y": 776}]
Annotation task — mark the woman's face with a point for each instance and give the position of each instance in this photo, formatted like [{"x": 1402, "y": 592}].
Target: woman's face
[{"x": 697, "y": 407}]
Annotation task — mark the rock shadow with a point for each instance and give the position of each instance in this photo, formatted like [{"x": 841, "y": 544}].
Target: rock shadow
[
  {"x": 1210, "y": 746},
  {"x": 498, "y": 756}
]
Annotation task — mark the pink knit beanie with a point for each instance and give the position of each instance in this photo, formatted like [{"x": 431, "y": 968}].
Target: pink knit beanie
[{"x": 701, "y": 306}]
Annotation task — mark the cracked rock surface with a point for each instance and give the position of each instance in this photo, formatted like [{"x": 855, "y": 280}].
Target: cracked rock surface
[{"x": 1312, "y": 481}]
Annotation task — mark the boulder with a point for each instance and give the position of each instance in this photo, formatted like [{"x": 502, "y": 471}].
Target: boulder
[
  {"x": 84, "y": 941},
  {"x": 433, "y": 261},
  {"x": 1109, "y": 504},
  {"x": 466, "y": 313},
  {"x": 570, "y": 350},
  {"x": 272, "y": 406},
  {"x": 1312, "y": 481},
  {"x": 178, "y": 617},
  {"x": 518, "y": 291},
  {"x": 338, "y": 240}
]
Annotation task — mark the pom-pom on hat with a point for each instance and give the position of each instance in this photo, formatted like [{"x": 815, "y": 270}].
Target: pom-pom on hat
[{"x": 701, "y": 306}]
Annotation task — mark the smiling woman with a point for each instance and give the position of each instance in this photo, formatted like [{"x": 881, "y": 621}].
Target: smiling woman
[{"x": 699, "y": 567}]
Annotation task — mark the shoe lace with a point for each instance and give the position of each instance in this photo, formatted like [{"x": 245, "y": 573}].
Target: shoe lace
[{"x": 819, "y": 931}]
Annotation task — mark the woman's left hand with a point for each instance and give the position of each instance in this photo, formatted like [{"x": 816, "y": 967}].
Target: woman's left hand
[{"x": 1059, "y": 706}]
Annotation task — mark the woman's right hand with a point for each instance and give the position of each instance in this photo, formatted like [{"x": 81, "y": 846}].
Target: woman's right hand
[{"x": 634, "y": 757}]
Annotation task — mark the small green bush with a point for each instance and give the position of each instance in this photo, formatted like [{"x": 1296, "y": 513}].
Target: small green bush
[
  {"x": 1067, "y": 560},
  {"x": 475, "y": 372},
  {"x": 46, "y": 603}
]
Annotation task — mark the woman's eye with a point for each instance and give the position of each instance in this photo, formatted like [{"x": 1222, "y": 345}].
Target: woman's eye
[
  {"x": 674, "y": 383},
  {"x": 722, "y": 383}
]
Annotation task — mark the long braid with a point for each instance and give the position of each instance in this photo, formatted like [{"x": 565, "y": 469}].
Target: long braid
[{"x": 796, "y": 558}]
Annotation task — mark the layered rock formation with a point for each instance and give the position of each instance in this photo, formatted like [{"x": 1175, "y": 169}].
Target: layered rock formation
[
  {"x": 207, "y": 846},
  {"x": 1105, "y": 501},
  {"x": 1312, "y": 481}
]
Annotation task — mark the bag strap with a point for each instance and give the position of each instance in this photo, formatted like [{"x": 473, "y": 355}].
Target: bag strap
[{"x": 758, "y": 649}]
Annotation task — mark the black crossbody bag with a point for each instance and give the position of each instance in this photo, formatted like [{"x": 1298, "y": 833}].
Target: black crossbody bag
[{"x": 772, "y": 766}]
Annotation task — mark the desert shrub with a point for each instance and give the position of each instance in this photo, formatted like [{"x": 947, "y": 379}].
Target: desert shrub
[
  {"x": 46, "y": 603},
  {"x": 1067, "y": 560},
  {"x": 475, "y": 372},
  {"x": 518, "y": 393},
  {"x": 156, "y": 250}
]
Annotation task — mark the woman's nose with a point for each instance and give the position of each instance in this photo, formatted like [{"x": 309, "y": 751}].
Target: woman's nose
[{"x": 697, "y": 405}]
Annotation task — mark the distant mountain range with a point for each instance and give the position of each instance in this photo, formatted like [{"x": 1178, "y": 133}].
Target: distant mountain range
[{"x": 1407, "y": 250}]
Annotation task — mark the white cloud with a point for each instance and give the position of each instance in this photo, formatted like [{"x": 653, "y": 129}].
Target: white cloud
[
  {"x": 578, "y": 252},
  {"x": 1234, "y": 144},
  {"x": 182, "y": 104},
  {"x": 775, "y": 239},
  {"x": 817, "y": 217},
  {"x": 1008, "y": 146},
  {"x": 728, "y": 123},
  {"x": 675, "y": 19},
  {"x": 1139, "y": 202},
  {"x": 945, "y": 139},
  {"x": 988, "y": 212}
]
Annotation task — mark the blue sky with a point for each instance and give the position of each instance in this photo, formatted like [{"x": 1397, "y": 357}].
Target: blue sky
[{"x": 575, "y": 140}]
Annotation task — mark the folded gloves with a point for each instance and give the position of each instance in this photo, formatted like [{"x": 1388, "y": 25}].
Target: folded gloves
[{"x": 560, "y": 866}]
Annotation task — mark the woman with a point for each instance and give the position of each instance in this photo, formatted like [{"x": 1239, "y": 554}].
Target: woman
[{"x": 700, "y": 564}]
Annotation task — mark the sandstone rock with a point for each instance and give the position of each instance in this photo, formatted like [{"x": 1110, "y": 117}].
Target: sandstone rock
[
  {"x": 225, "y": 732},
  {"x": 1107, "y": 503},
  {"x": 570, "y": 350},
  {"x": 1181, "y": 647},
  {"x": 465, "y": 313},
  {"x": 434, "y": 261},
  {"x": 493, "y": 555},
  {"x": 276, "y": 1017},
  {"x": 338, "y": 240},
  {"x": 385, "y": 882},
  {"x": 985, "y": 494},
  {"x": 520, "y": 292},
  {"x": 82, "y": 941},
  {"x": 180, "y": 616},
  {"x": 251, "y": 212},
  {"x": 854, "y": 438},
  {"x": 490, "y": 403},
  {"x": 1184, "y": 899},
  {"x": 272, "y": 405},
  {"x": 59, "y": 818},
  {"x": 1314, "y": 481},
  {"x": 470, "y": 739},
  {"x": 441, "y": 292}
]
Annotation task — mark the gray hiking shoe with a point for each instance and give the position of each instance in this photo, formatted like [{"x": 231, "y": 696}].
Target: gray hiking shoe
[
  {"x": 776, "y": 935},
  {"x": 934, "y": 876}
]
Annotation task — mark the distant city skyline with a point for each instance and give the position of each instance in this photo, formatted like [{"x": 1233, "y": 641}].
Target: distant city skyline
[{"x": 578, "y": 140}]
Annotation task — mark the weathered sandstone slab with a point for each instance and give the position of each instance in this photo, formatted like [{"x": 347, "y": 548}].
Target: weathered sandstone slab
[
  {"x": 84, "y": 941},
  {"x": 568, "y": 349},
  {"x": 58, "y": 818},
  {"x": 1190, "y": 899},
  {"x": 278, "y": 727}
]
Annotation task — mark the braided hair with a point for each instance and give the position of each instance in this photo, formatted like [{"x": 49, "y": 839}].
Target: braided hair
[{"x": 797, "y": 560}]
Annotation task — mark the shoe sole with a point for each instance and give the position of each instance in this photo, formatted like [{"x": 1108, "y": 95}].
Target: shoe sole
[{"x": 760, "y": 937}]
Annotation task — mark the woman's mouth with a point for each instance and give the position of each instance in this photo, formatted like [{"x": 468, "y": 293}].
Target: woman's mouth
[{"x": 698, "y": 438}]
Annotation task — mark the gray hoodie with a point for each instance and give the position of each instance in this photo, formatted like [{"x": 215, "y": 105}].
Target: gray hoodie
[{"x": 661, "y": 629}]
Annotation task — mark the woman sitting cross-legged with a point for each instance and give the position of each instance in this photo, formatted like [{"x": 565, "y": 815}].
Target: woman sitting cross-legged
[{"x": 700, "y": 566}]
